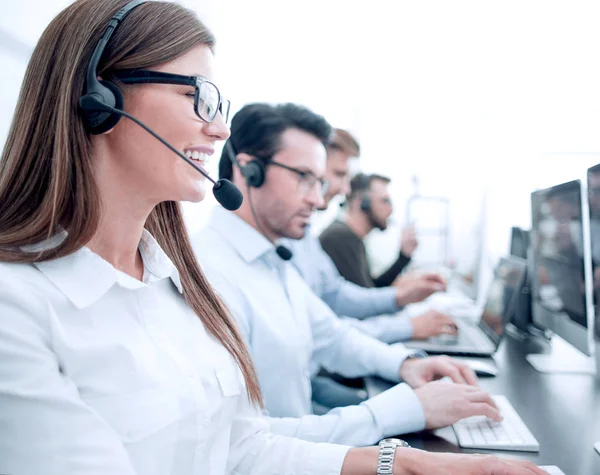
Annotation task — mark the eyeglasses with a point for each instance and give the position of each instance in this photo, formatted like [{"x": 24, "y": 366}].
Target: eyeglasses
[
  {"x": 307, "y": 180},
  {"x": 207, "y": 98}
]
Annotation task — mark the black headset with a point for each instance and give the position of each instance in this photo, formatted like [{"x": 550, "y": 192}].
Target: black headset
[
  {"x": 365, "y": 202},
  {"x": 254, "y": 172},
  {"x": 106, "y": 92},
  {"x": 101, "y": 107}
]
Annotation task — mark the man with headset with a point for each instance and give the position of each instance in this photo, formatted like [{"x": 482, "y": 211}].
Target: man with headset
[
  {"x": 369, "y": 207},
  {"x": 361, "y": 302},
  {"x": 279, "y": 157}
]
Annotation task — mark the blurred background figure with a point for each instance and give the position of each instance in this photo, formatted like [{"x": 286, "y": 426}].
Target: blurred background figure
[{"x": 369, "y": 207}]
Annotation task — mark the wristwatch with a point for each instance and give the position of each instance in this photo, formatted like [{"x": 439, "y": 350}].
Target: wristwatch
[{"x": 387, "y": 450}]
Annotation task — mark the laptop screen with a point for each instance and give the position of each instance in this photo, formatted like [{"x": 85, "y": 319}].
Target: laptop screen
[{"x": 501, "y": 299}]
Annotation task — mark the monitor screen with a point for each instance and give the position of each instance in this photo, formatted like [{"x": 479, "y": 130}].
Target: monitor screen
[
  {"x": 557, "y": 251},
  {"x": 593, "y": 178},
  {"x": 501, "y": 298},
  {"x": 519, "y": 242},
  {"x": 521, "y": 312}
]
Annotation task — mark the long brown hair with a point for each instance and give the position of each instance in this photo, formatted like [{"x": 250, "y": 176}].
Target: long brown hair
[{"x": 46, "y": 179}]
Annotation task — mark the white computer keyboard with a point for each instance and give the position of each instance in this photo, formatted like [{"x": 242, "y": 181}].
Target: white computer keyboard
[
  {"x": 553, "y": 470},
  {"x": 479, "y": 432}
]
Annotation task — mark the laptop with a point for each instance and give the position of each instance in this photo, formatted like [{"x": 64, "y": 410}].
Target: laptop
[{"x": 482, "y": 338}]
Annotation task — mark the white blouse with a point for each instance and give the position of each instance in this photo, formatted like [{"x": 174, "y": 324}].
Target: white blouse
[{"x": 103, "y": 374}]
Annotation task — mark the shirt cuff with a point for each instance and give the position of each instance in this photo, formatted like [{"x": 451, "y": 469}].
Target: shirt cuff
[
  {"x": 390, "y": 363},
  {"x": 387, "y": 301},
  {"x": 397, "y": 411},
  {"x": 404, "y": 257},
  {"x": 326, "y": 459},
  {"x": 402, "y": 331}
]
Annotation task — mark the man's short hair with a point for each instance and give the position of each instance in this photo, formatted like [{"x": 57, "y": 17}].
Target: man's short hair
[
  {"x": 256, "y": 129},
  {"x": 361, "y": 183},
  {"x": 343, "y": 141}
]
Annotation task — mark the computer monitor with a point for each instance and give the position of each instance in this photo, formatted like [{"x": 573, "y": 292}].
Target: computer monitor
[
  {"x": 520, "y": 317},
  {"x": 559, "y": 298},
  {"x": 593, "y": 188},
  {"x": 502, "y": 297},
  {"x": 519, "y": 242}
]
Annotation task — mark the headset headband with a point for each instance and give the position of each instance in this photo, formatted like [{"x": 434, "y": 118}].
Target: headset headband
[{"x": 101, "y": 46}]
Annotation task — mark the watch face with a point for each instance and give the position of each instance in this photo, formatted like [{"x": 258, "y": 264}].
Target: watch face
[{"x": 396, "y": 442}]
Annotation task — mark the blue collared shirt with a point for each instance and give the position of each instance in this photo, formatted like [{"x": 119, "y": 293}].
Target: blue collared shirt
[
  {"x": 368, "y": 307},
  {"x": 292, "y": 333}
]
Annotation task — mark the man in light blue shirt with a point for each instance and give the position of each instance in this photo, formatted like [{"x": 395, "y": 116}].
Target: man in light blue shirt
[
  {"x": 370, "y": 309},
  {"x": 290, "y": 331}
]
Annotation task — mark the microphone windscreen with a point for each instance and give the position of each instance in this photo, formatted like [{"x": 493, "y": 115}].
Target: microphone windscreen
[
  {"x": 283, "y": 252},
  {"x": 227, "y": 194}
]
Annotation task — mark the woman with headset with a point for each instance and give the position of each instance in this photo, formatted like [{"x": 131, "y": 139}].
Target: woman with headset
[{"x": 115, "y": 354}]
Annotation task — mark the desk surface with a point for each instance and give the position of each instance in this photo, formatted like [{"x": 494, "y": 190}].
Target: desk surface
[{"x": 562, "y": 411}]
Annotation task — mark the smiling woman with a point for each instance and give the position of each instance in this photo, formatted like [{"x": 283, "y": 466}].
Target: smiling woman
[{"x": 85, "y": 201}]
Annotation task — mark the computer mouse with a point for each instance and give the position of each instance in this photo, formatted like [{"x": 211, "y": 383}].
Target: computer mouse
[
  {"x": 597, "y": 447},
  {"x": 481, "y": 368}
]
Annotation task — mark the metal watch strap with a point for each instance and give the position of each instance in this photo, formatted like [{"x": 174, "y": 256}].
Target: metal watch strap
[{"x": 387, "y": 451}]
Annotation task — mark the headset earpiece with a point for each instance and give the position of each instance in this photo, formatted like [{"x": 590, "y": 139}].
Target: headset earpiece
[
  {"x": 254, "y": 173},
  {"x": 106, "y": 93},
  {"x": 365, "y": 204},
  {"x": 363, "y": 186}
]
